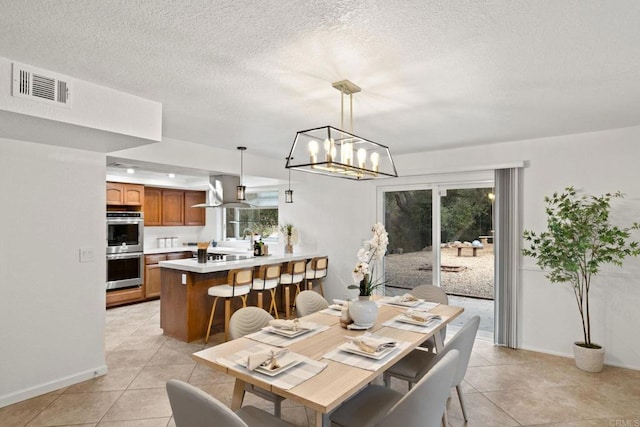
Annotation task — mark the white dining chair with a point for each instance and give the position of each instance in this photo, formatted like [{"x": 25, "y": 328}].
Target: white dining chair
[
  {"x": 418, "y": 363},
  {"x": 193, "y": 407},
  {"x": 244, "y": 322},
  {"x": 309, "y": 302},
  {"x": 422, "y": 406},
  {"x": 431, "y": 293}
]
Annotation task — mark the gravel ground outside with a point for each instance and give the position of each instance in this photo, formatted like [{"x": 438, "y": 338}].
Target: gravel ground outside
[{"x": 463, "y": 275}]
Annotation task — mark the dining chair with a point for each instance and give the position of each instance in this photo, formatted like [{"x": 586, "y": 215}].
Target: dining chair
[
  {"x": 431, "y": 293},
  {"x": 309, "y": 302},
  {"x": 316, "y": 272},
  {"x": 418, "y": 362},
  {"x": 292, "y": 275},
  {"x": 267, "y": 279},
  {"x": 238, "y": 285},
  {"x": 422, "y": 406},
  {"x": 193, "y": 407},
  {"x": 244, "y": 322}
]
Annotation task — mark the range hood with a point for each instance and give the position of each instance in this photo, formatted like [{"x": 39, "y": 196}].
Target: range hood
[{"x": 222, "y": 192}]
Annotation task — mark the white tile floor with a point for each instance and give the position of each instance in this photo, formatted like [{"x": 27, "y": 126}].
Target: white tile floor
[{"x": 502, "y": 387}]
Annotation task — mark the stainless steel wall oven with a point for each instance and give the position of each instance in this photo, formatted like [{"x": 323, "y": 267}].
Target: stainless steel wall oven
[{"x": 125, "y": 245}]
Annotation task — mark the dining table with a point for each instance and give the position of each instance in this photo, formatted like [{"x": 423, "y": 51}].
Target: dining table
[{"x": 327, "y": 375}]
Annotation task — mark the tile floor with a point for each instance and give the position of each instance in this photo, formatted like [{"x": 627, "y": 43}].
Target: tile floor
[{"x": 502, "y": 387}]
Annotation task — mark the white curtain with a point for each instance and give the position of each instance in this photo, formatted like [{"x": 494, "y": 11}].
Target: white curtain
[{"x": 507, "y": 256}]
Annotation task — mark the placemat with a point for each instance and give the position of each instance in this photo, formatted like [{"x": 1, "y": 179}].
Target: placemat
[
  {"x": 287, "y": 379},
  {"x": 363, "y": 362},
  {"x": 330, "y": 312},
  {"x": 393, "y": 323},
  {"x": 282, "y": 341},
  {"x": 424, "y": 306}
]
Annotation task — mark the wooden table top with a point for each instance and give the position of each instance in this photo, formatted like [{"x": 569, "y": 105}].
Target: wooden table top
[{"x": 338, "y": 382}]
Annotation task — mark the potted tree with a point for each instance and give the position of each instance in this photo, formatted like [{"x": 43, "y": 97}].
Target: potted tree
[{"x": 579, "y": 240}]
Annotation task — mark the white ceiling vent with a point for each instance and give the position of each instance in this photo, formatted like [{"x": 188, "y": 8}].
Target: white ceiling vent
[{"x": 41, "y": 85}]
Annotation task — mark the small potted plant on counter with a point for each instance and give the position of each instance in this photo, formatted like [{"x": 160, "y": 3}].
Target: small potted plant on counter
[
  {"x": 290, "y": 235},
  {"x": 579, "y": 240}
]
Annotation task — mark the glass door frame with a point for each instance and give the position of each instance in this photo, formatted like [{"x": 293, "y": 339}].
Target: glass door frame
[{"x": 437, "y": 188}]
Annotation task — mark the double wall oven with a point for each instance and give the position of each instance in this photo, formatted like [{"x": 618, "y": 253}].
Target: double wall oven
[{"x": 125, "y": 256}]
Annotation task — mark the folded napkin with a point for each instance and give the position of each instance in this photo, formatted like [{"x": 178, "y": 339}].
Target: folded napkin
[
  {"x": 267, "y": 358},
  {"x": 420, "y": 316},
  {"x": 407, "y": 298},
  {"x": 287, "y": 325},
  {"x": 372, "y": 344}
]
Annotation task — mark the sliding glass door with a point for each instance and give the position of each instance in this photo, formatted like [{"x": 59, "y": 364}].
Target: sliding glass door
[{"x": 408, "y": 219}]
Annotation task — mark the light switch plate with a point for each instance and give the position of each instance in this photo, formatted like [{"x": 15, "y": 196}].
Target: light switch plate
[
  {"x": 87, "y": 255},
  {"x": 184, "y": 279}
]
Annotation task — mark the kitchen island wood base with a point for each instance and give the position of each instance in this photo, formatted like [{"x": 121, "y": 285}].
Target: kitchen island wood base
[{"x": 185, "y": 308}]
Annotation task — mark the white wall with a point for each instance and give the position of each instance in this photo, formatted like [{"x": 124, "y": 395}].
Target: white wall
[
  {"x": 595, "y": 163},
  {"x": 52, "y": 311}
]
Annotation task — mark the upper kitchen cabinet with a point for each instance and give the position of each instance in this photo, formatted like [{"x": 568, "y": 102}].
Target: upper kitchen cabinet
[
  {"x": 120, "y": 194},
  {"x": 172, "y": 207},
  {"x": 194, "y": 216},
  {"x": 164, "y": 206},
  {"x": 152, "y": 206}
]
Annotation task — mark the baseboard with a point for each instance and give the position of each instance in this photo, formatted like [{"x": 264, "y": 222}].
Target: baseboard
[
  {"x": 570, "y": 356},
  {"x": 41, "y": 389}
]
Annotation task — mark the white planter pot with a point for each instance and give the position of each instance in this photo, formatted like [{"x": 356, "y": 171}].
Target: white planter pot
[
  {"x": 364, "y": 312},
  {"x": 588, "y": 359}
]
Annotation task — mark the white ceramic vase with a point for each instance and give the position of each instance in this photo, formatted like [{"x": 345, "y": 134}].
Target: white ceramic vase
[
  {"x": 588, "y": 359},
  {"x": 363, "y": 311}
]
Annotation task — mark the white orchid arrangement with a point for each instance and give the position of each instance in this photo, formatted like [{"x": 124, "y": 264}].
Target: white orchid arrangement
[{"x": 371, "y": 252}]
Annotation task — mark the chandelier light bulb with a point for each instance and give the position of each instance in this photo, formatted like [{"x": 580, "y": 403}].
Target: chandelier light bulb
[
  {"x": 375, "y": 161},
  {"x": 362, "y": 157}
]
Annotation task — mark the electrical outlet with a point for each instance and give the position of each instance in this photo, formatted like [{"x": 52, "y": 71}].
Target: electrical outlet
[
  {"x": 87, "y": 255},
  {"x": 184, "y": 279}
]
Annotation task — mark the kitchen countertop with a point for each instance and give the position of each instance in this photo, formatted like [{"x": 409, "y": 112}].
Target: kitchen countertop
[
  {"x": 212, "y": 250},
  {"x": 192, "y": 265}
]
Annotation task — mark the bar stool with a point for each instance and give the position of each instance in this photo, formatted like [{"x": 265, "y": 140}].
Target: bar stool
[
  {"x": 267, "y": 279},
  {"x": 316, "y": 270},
  {"x": 293, "y": 276},
  {"x": 238, "y": 285}
]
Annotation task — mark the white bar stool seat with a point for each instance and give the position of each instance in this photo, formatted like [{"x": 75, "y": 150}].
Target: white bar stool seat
[{"x": 238, "y": 285}]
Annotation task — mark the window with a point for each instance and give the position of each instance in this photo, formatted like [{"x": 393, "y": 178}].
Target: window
[{"x": 262, "y": 220}]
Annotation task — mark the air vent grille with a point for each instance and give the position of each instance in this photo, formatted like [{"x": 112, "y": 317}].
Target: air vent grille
[{"x": 41, "y": 85}]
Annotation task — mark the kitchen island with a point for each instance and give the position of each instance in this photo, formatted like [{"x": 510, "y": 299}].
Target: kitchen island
[{"x": 185, "y": 305}]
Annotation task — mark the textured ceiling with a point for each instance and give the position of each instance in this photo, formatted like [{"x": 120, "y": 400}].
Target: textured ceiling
[{"x": 434, "y": 74}]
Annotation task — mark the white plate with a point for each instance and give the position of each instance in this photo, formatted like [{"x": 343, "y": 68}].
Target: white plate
[
  {"x": 405, "y": 319},
  {"x": 336, "y": 307},
  {"x": 289, "y": 333},
  {"x": 350, "y": 347},
  {"x": 406, "y": 303},
  {"x": 287, "y": 361}
]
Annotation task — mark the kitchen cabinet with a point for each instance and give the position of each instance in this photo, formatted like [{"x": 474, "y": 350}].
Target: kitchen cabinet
[
  {"x": 194, "y": 216},
  {"x": 152, "y": 206},
  {"x": 172, "y": 207},
  {"x": 165, "y": 206},
  {"x": 152, "y": 283},
  {"x": 121, "y": 194}
]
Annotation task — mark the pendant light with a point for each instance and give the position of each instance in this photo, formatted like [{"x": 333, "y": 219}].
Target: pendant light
[
  {"x": 331, "y": 151},
  {"x": 288, "y": 194},
  {"x": 241, "y": 189}
]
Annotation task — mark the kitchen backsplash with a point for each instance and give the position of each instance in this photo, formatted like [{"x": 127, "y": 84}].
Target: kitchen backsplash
[{"x": 183, "y": 234}]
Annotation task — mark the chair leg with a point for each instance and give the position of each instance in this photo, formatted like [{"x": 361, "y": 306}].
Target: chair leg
[
  {"x": 320, "y": 286},
  {"x": 260, "y": 299},
  {"x": 287, "y": 302},
  {"x": 244, "y": 300},
  {"x": 387, "y": 380},
  {"x": 464, "y": 412},
  {"x": 274, "y": 304},
  {"x": 213, "y": 310},
  {"x": 277, "y": 408},
  {"x": 227, "y": 316}
]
